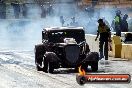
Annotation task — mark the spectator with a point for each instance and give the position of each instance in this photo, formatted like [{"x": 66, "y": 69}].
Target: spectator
[
  {"x": 62, "y": 21},
  {"x": 16, "y": 7},
  {"x": 124, "y": 24},
  {"x": 50, "y": 10},
  {"x": 24, "y": 10},
  {"x": 117, "y": 22},
  {"x": 2, "y": 9},
  {"x": 74, "y": 23},
  {"x": 43, "y": 11}
]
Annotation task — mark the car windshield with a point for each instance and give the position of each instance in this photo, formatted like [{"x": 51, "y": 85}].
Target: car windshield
[{"x": 58, "y": 36}]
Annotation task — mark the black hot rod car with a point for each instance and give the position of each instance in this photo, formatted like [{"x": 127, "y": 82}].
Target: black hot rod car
[{"x": 64, "y": 47}]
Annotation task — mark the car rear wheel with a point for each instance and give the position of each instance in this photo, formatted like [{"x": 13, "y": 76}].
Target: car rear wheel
[
  {"x": 48, "y": 66},
  {"x": 94, "y": 66},
  {"x": 51, "y": 67}
]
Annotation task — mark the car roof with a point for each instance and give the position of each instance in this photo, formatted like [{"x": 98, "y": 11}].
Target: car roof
[{"x": 63, "y": 28}]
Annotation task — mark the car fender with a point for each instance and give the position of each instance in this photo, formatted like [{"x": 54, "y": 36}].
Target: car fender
[
  {"x": 51, "y": 57},
  {"x": 92, "y": 56}
]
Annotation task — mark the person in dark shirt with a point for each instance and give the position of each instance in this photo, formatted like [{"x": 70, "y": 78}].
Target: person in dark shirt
[
  {"x": 105, "y": 36},
  {"x": 124, "y": 24}
]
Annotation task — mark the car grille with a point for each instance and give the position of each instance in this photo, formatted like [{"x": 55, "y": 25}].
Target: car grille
[{"x": 72, "y": 53}]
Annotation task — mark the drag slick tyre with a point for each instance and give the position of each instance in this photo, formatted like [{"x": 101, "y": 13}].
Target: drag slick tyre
[
  {"x": 94, "y": 66},
  {"x": 50, "y": 62},
  {"x": 48, "y": 66}
]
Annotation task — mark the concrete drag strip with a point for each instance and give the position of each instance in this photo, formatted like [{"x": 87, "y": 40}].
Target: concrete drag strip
[{"x": 24, "y": 74}]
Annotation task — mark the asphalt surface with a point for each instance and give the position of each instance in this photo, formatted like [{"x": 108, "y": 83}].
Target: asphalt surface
[{"x": 17, "y": 70}]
